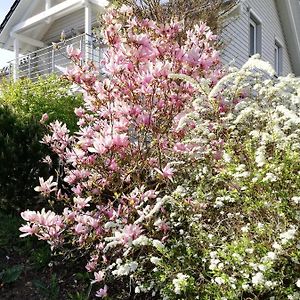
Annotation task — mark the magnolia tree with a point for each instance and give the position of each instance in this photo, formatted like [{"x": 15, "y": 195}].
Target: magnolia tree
[
  {"x": 124, "y": 159},
  {"x": 182, "y": 182}
]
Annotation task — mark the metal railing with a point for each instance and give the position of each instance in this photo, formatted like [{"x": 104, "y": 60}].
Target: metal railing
[{"x": 53, "y": 59}]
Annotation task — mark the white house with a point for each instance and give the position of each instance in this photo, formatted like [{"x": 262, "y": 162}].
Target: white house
[
  {"x": 268, "y": 27},
  {"x": 32, "y": 26}
]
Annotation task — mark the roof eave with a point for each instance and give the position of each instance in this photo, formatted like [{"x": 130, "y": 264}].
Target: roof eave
[{"x": 9, "y": 14}]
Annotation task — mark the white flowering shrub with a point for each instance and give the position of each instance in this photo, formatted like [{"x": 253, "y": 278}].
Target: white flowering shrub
[{"x": 233, "y": 226}]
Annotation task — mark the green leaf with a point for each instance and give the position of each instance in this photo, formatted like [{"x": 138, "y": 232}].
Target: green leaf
[{"x": 11, "y": 274}]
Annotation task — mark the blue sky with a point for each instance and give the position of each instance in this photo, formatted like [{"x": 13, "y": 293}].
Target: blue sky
[{"x": 5, "y": 55}]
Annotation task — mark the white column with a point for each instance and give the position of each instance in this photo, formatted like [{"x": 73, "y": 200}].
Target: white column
[
  {"x": 88, "y": 28},
  {"x": 16, "y": 62},
  {"x": 47, "y": 4}
]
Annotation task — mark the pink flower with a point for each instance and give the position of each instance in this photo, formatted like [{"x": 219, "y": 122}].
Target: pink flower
[
  {"x": 125, "y": 9},
  {"x": 46, "y": 187},
  {"x": 47, "y": 160},
  {"x": 193, "y": 56},
  {"x": 150, "y": 194},
  {"x": 80, "y": 228},
  {"x": 179, "y": 147},
  {"x": 79, "y": 111},
  {"x": 44, "y": 118},
  {"x": 120, "y": 140},
  {"x": 102, "y": 293},
  {"x": 28, "y": 215},
  {"x": 113, "y": 165},
  {"x": 91, "y": 265},
  {"x": 107, "y": 141},
  {"x": 166, "y": 172},
  {"x": 129, "y": 233},
  {"x": 122, "y": 124},
  {"x": 164, "y": 227},
  {"x": 74, "y": 53},
  {"x": 81, "y": 203},
  {"x": 99, "y": 276},
  {"x": 144, "y": 119},
  {"x": 28, "y": 230},
  {"x": 98, "y": 146},
  {"x": 45, "y": 218}
]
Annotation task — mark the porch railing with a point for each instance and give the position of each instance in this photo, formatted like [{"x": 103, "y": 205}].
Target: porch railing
[{"x": 53, "y": 59}]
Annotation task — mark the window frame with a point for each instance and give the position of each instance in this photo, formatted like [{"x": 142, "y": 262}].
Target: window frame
[
  {"x": 257, "y": 36},
  {"x": 278, "y": 57},
  {"x": 253, "y": 24}
]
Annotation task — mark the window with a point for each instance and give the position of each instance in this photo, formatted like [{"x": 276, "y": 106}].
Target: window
[
  {"x": 254, "y": 35},
  {"x": 278, "y": 58},
  {"x": 253, "y": 38}
]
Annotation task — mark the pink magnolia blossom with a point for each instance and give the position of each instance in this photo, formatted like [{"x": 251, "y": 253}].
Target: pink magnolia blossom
[
  {"x": 46, "y": 187},
  {"x": 126, "y": 10},
  {"x": 99, "y": 276},
  {"x": 150, "y": 194},
  {"x": 102, "y": 293},
  {"x": 180, "y": 147},
  {"x": 129, "y": 233},
  {"x": 98, "y": 146},
  {"x": 47, "y": 160},
  {"x": 29, "y": 230},
  {"x": 80, "y": 229},
  {"x": 167, "y": 172},
  {"x": 79, "y": 111},
  {"x": 74, "y": 53},
  {"x": 81, "y": 203},
  {"x": 45, "y": 218},
  {"x": 44, "y": 118}
]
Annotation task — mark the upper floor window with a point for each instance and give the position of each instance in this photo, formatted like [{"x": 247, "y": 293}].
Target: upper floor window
[{"x": 254, "y": 35}]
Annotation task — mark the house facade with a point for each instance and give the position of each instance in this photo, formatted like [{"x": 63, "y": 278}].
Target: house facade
[
  {"x": 33, "y": 30},
  {"x": 268, "y": 27}
]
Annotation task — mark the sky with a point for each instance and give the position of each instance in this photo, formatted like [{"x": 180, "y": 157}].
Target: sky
[{"x": 5, "y": 55}]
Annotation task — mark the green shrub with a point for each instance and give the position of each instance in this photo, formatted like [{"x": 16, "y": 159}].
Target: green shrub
[
  {"x": 20, "y": 160},
  {"x": 49, "y": 95},
  {"x": 22, "y": 105}
]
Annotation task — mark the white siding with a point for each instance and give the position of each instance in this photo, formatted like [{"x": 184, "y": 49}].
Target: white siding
[
  {"x": 236, "y": 34},
  {"x": 70, "y": 24}
]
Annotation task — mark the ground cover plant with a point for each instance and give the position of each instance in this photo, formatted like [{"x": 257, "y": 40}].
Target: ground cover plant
[{"x": 182, "y": 181}]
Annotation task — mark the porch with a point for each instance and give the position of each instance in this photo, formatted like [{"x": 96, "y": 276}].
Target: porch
[{"x": 53, "y": 59}]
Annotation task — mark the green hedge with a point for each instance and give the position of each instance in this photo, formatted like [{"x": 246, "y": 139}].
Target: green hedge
[
  {"x": 51, "y": 95},
  {"x": 21, "y": 106}
]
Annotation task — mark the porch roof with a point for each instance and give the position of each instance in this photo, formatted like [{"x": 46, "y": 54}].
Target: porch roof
[
  {"x": 9, "y": 14},
  {"x": 29, "y": 20}
]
